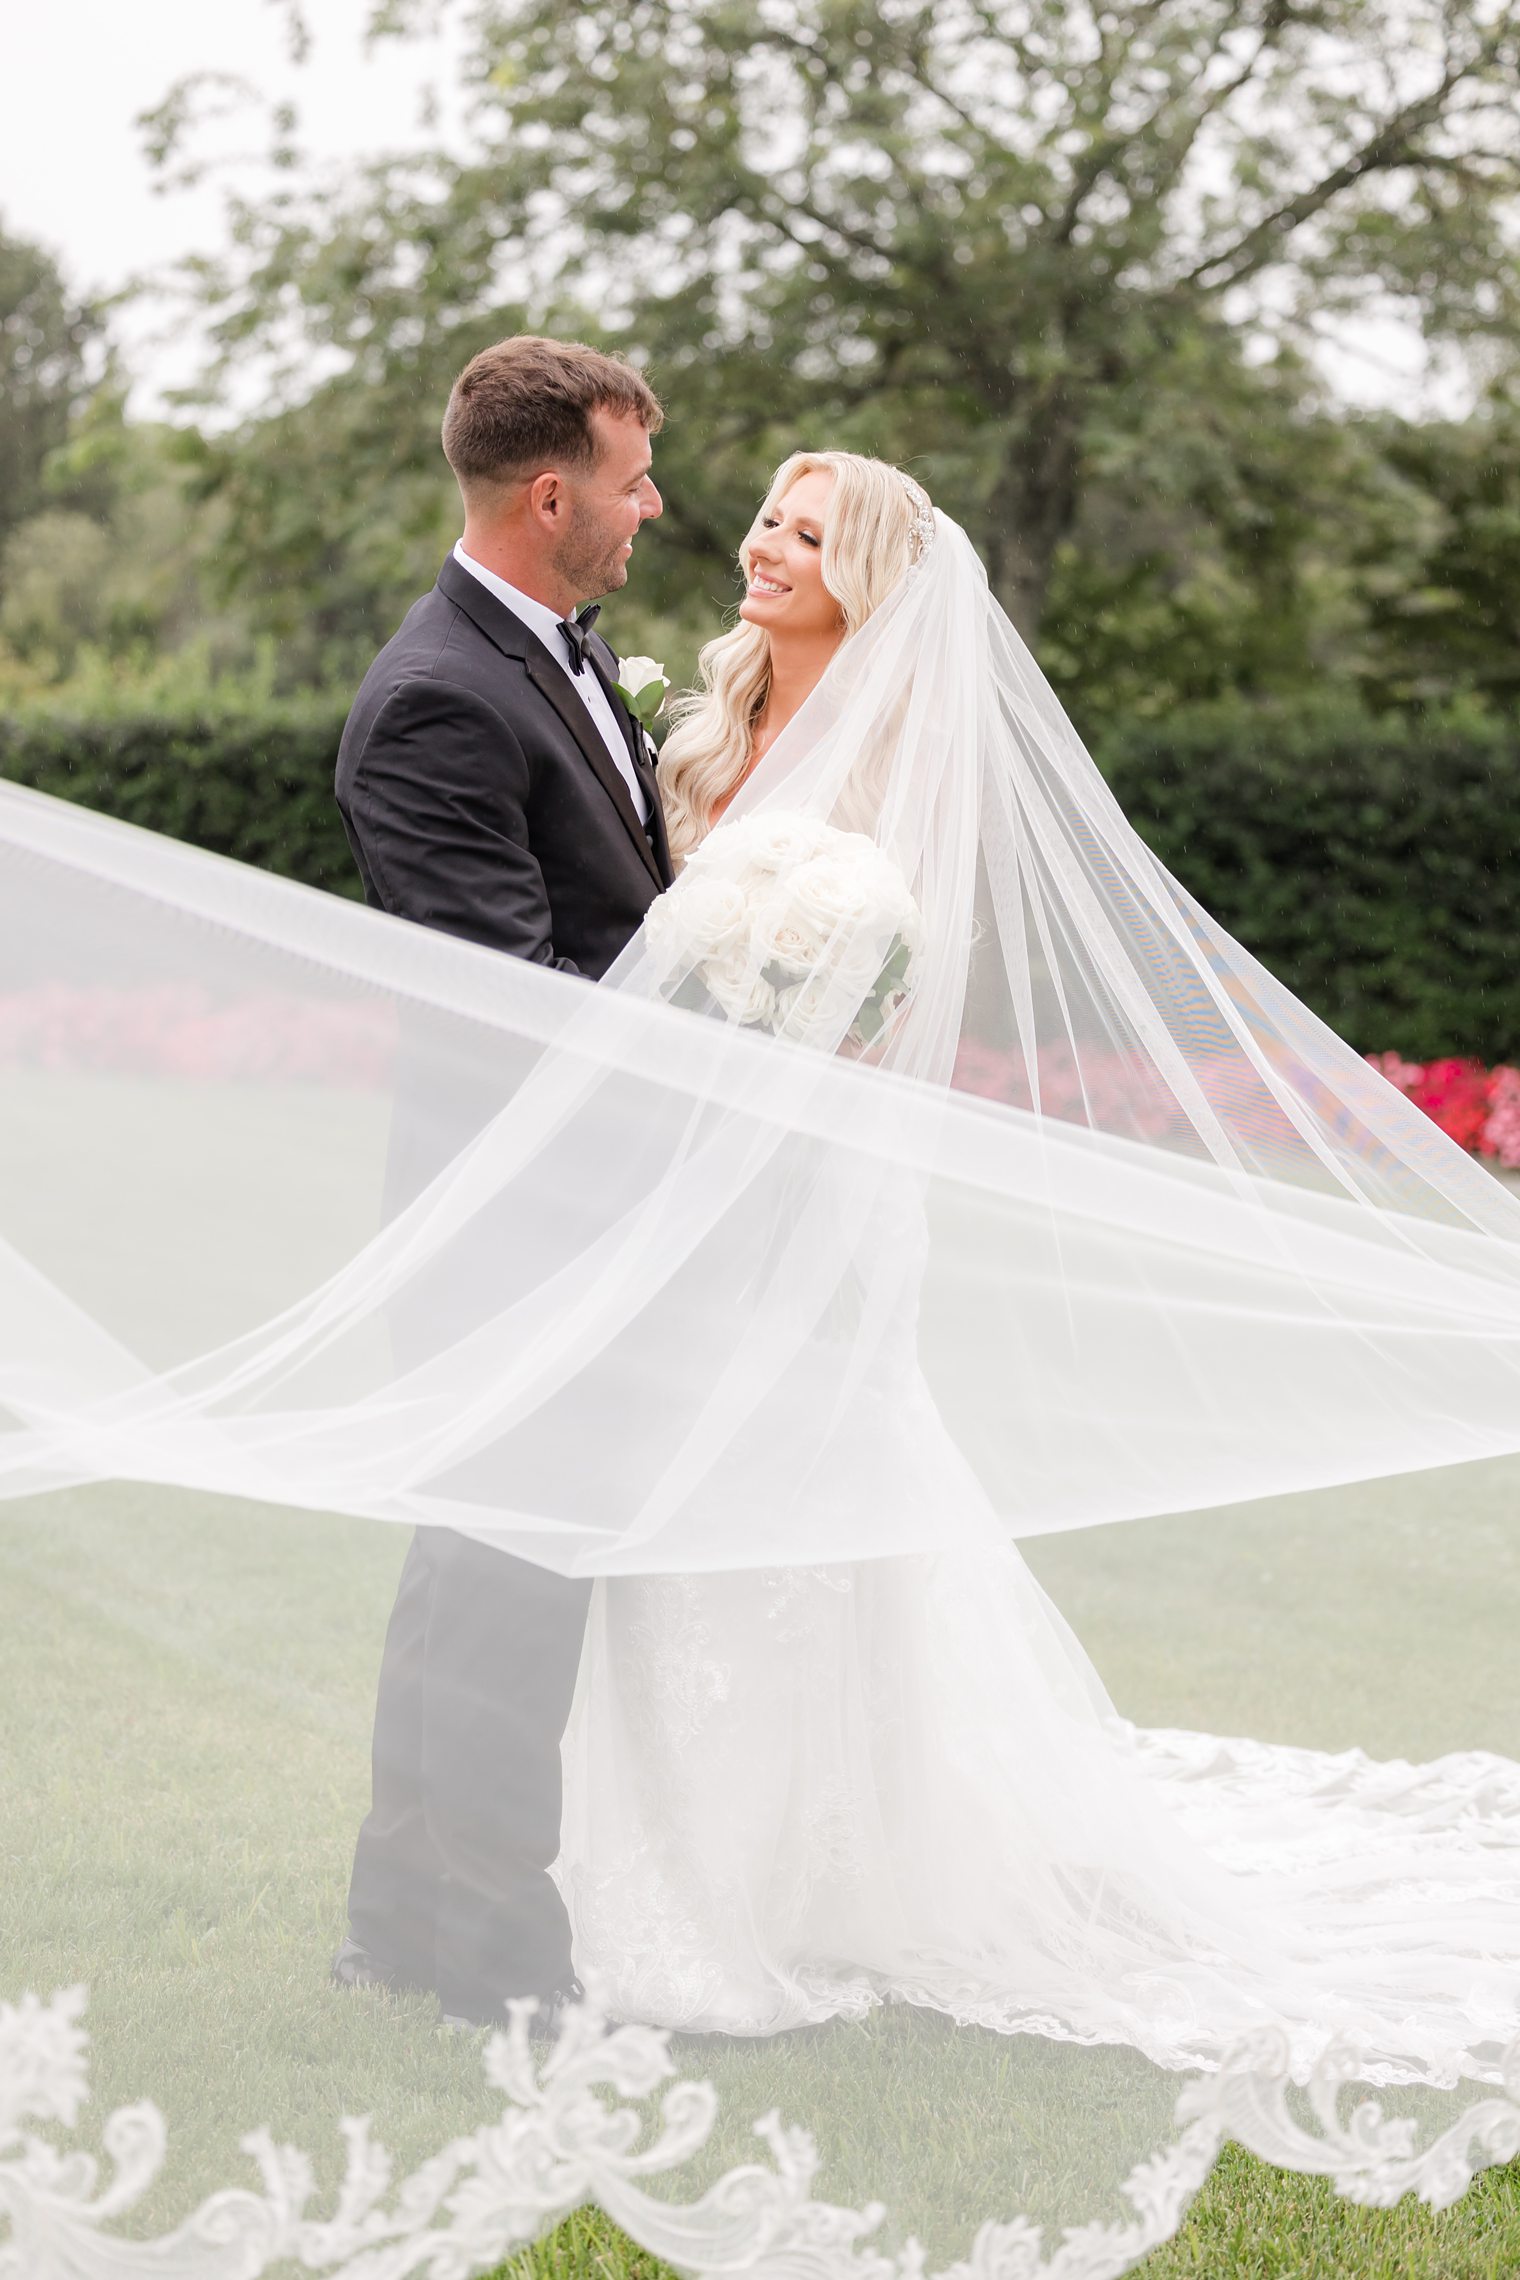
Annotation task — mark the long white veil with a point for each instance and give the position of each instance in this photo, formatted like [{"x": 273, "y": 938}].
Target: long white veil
[{"x": 931, "y": 1172}]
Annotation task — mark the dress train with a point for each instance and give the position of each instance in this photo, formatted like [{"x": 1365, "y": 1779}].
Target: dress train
[{"x": 791, "y": 1796}]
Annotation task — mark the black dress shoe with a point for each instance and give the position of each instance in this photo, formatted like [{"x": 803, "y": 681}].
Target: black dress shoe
[
  {"x": 543, "y": 2026},
  {"x": 553, "y": 2010},
  {"x": 354, "y": 1966}
]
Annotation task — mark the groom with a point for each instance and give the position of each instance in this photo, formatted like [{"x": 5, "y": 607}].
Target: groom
[{"x": 493, "y": 784}]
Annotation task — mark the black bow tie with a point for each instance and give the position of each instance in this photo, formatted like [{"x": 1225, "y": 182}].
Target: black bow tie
[{"x": 577, "y": 632}]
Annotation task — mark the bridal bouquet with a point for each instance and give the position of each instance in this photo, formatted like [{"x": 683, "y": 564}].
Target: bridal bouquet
[{"x": 788, "y": 925}]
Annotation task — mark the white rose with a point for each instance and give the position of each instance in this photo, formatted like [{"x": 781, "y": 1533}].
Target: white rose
[
  {"x": 910, "y": 925},
  {"x": 906, "y": 916},
  {"x": 721, "y": 856},
  {"x": 783, "y": 935},
  {"x": 858, "y": 889},
  {"x": 811, "y": 1013},
  {"x": 636, "y": 674},
  {"x": 642, "y": 683},
  {"x": 664, "y": 931},
  {"x": 741, "y": 990},
  {"x": 773, "y": 842},
  {"x": 856, "y": 964},
  {"x": 714, "y": 914},
  {"x": 829, "y": 892}
]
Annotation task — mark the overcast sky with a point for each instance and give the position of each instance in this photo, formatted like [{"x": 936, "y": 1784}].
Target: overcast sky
[{"x": 75, "y": 74}]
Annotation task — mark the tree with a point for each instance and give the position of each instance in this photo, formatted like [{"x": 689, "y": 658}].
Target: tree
[
  {"x": 1239, "y": 535},
  {"x": 983, "y": 234},
  {"x": 46, "y": 343},
  {"x": 1447, "y": 622},
  {"x": 118, "y": 572}
]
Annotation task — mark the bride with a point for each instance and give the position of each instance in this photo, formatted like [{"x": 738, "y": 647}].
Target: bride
[{"x": 793, "y": 1795}]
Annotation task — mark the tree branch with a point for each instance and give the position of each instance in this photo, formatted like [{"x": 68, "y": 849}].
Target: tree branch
[
  {"x": 1392, "y": 145},
  {"x": 1274, "y": 20}
]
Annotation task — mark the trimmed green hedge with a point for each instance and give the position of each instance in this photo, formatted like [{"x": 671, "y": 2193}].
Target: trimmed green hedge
[
  {"x": 1372, "y": 862},
  {"x": 1369, "y": 861},
  {"x": 252, "y": 780}
]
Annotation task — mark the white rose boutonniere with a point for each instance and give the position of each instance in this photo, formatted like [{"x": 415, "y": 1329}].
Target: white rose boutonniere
[{"x": 642, "y": 683}]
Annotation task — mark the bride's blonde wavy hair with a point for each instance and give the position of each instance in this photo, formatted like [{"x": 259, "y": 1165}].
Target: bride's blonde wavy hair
[{"x": 867, "y": 547}]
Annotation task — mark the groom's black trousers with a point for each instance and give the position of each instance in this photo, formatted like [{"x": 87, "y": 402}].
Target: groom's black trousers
[{"x": 450, "y": 1886}]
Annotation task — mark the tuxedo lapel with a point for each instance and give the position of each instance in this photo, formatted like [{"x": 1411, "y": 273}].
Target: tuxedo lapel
[
  {"x": 603, "y": 659},
  {"x": 656, "y": 818},
  {"x": 507, "y": 632},
  {"x": 550, "y": 680}
]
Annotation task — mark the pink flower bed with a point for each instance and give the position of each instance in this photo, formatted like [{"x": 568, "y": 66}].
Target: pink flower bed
[
  {"x": 185, "y": 1032},
  {"x": 1478, "y": 1108},
  {"x": 1121, "y": 1093}
]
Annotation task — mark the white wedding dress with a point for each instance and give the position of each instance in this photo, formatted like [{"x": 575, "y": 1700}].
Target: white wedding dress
[{"x": 793, "y": 1795}]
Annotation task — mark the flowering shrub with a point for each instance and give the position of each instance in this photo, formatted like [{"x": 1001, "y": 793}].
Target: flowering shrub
[
  {"x": 187, "y": 1032},
  {"x": 1478, "y": 1108},
  {"x": 1103, "y": 1089},
  {"x": 1125, "y": 1093},
  {"x": 1501, "y": 1134}
]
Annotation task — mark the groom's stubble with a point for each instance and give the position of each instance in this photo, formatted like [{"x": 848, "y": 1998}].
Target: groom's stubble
[
  {"x": 608, "y": 505},
  {"x": 590, "y": 562}
]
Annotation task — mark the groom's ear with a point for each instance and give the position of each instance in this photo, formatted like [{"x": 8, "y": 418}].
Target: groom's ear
[{"x": 547, "y": 497}]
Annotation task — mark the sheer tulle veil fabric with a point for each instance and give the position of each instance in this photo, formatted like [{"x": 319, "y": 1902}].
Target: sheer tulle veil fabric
[{"x": 932, "y": 1173}]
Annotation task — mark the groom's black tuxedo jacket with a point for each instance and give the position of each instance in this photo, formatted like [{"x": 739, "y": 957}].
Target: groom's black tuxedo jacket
[{"x": 478, "y": 794}]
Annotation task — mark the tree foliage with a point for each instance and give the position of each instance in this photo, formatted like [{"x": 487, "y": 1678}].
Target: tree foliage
[
  {"x": 102, "y": 549},
  {"x": 121, "y": 564},
  {"x": 228, "y": 766},
  {"x": 46, "y": 344},
  {"x": 1365, "y": 859},
  {"x": 987, "y": 236},
  {"x": 1449, "y": 616}
]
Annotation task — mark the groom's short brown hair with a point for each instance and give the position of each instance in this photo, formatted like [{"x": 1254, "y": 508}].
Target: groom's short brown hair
[{"x": 526, "y": 403}]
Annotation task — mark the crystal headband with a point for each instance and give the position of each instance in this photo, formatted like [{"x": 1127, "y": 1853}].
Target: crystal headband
[{"x": 921, "y": 533}]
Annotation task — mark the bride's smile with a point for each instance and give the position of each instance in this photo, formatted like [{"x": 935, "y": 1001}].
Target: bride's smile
[{"x": 783, "y": 564}]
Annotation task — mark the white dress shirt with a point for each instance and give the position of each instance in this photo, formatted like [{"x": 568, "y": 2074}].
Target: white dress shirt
[{"x": 540, "y": 619}]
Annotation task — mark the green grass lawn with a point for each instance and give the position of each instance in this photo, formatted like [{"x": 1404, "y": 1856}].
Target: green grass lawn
[{"x": 186, "y": 1713}]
